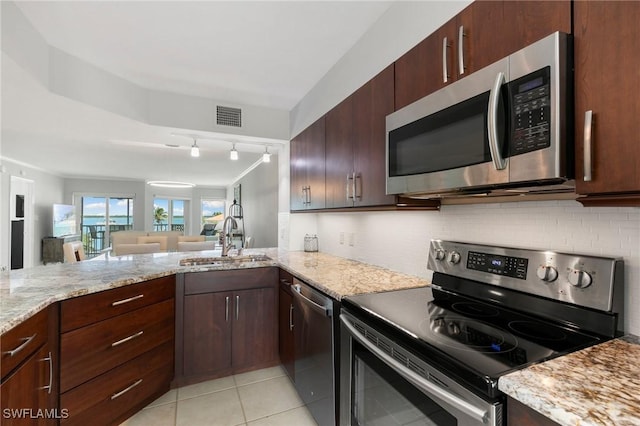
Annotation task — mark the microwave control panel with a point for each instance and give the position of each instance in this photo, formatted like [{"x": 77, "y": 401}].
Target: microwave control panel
[{"x": 531, "y": 112}]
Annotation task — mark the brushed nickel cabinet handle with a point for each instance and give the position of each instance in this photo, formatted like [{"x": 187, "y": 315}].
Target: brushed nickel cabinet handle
[
  {"x": 356, "y": 179},
  {"x": 126, "y": 339},
  {"x": 588, "y": 140},
  {"x": 26, "y": 340},
  {"x": 50, "y": 385},
  {"x": 226, "y": 309},
  {"x": 349, "y": 186},
  {"x": 131, "y": 299},
  {"x": 461, "y": 35},
  {"x": 445, "y": 69},
  {"x": 125, "y": 390},
  {"x": 291, "y": 317},
  {"x": 237, "y": 307}
]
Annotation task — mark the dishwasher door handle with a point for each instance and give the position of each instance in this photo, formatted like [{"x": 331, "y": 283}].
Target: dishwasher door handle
[{"x": 298, "y": 292}]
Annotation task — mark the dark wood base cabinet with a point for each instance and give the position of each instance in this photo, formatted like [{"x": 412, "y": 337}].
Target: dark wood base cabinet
[
  {"x": 226, "y": 323},
  {"x": 116, "y": 351},
  {"x": 29, "y": 389},
  {"x": 519, "y": 414},
  {"x": 286, "y": 343}
]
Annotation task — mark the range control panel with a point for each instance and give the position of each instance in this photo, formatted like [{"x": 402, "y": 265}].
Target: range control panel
[
  {"x": 510, "y": 266},
  {"x": 573, "y": 278}
]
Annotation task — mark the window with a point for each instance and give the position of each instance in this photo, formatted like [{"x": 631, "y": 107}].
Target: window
[
  {"x": 168, "y": 214},
  {"x": 100, "y": 217},
  {"x": 212, "y": 213}
]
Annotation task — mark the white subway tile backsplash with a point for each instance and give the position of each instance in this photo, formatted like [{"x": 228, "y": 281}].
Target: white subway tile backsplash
[{"x": 400, "y": 240}]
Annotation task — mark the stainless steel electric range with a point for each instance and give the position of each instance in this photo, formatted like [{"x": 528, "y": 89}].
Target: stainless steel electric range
[{"x": 433, "y": 355}]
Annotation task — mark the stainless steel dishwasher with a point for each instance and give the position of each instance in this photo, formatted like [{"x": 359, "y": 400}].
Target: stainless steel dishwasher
[{"x": 314, "y": 325}]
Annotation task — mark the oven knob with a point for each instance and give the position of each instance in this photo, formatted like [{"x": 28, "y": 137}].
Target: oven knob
[
  {"x": 454, "y": 257},
  {"x": 580, "y": 279},
  {"x": 547, "y": 273},
  {"x": 440, "y": 254}
]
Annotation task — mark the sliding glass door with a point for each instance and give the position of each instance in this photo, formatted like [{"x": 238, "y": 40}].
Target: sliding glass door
[{"x": 100, "y": 217}]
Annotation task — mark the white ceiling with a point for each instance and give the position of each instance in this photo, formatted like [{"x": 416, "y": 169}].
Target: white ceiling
[{"x": 263, "y": 53}]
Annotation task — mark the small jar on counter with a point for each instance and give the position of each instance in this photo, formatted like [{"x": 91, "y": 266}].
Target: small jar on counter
[{"x": 310, "y": 243}]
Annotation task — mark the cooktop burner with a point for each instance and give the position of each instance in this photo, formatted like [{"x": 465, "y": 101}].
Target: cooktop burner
[
  {"x": 486, "y": 341},
  {"x": 475, "y": 309},
  {"x": 471, "y": 335},
  {"x": 534, "y": 330}
]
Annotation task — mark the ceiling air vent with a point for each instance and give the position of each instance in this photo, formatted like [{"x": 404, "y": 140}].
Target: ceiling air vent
[{"x": 227, "y": 116}]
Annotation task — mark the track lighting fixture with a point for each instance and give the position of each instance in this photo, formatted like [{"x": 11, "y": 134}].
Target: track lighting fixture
[
  {"x": 266, "y": 156},
  {"x": 195, "y": 151},
  {"x": 233, "y": 154}
]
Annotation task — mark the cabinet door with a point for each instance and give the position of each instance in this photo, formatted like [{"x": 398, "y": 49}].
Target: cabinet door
[
  {"x": 339, "y": 155},
  {"x": 528, "y": 21},
  {"x": 298, "y": 173},
  {"x": 371, "y": 105},
  {"x": 421, "y": 71},
  {"x": 28, "y": 389},
  {"x": 207, "y": 333},
  {"x": 307, "y": 165},
  {"x": 285, "y": 326},
  {"x": 255, "y": 332},
  {"x": 521, "y": 415},
  {"x": 477, "y": 46},
  {"x": 607, "y": 82}
]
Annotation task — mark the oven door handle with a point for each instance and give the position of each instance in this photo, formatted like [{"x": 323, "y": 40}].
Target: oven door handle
[{"x": 418, "y": 381}]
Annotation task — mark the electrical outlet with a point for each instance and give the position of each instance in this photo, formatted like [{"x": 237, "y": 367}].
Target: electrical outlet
[
  {"x": 352, "y": 239},
  {"x": 341, "y": 238}
]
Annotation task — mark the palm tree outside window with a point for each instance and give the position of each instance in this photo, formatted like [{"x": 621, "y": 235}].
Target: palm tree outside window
[{"x": 168, "y": 214}]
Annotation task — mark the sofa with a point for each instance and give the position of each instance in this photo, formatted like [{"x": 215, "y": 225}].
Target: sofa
[{"x": 131, "y": 237}]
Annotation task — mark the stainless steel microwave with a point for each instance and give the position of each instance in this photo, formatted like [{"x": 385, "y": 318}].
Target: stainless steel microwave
[{"x": 505, "y": 127}]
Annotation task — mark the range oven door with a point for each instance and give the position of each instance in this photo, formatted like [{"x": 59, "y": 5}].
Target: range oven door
[{"x": 382, "y": 383}]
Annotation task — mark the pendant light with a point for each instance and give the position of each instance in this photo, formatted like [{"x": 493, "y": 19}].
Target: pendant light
[
  {"x": 195, "y": 151},
  {"x": 266, "y": 156},
  {"x": 233, "y": 154}
]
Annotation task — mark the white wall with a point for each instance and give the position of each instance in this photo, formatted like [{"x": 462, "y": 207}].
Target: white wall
[
  {"x": 260, "y": 200},
  {"x": 400, "y": 240},
  {"x": 48, "y": 191},
  {"x": 403, "y": 26}
]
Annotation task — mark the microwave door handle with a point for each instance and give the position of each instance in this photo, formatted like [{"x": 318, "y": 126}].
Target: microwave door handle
[
  {"x": 418, "y": 381},
  {"x": 492, "y": 123}
]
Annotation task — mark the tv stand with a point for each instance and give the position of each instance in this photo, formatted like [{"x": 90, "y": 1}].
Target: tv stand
[{"x": 52, "y": 248}]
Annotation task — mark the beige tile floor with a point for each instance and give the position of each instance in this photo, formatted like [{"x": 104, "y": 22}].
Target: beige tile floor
[{"x": 258, "y": 398}]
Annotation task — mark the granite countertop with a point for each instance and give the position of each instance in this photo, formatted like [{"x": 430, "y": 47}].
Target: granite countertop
[
  {"x": 599, "y": 385},
  {"x": 25, "y": 292}
]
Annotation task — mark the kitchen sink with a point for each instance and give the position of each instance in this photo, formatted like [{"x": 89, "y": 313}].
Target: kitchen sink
[{"x": 224, "y": 260}]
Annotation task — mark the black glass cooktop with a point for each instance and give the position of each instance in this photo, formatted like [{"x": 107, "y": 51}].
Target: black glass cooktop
[{"x": 477, "y": 341}]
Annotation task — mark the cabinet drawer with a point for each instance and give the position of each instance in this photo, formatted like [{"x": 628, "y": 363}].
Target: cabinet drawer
[
  {"x": 85, "y": 310},
  {"x": 22, "y": 340},
  {"x": 215, "y": 281},
  {"x": 90, "y": 351},
  {"x": 113, "y": 396}
]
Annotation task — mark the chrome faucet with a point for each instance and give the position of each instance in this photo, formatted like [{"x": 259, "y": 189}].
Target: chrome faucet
[{"x": 234, "y": 225}]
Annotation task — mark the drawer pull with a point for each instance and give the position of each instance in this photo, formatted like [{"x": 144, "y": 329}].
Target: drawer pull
[
  {"x": 126, "y": 339},
  {"x": 125, "y": 390},
  {"x": 27, "y": 340},
  {"x": 131, "y": 299},
  {"x": 50, "y": 385}
]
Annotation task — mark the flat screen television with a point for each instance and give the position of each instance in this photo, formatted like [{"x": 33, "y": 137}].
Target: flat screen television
[{"x": 64, "y": 220}]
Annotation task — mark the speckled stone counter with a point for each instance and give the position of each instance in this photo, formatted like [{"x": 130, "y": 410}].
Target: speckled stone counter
[
  {"x": 25, "y": 292},
  {"x": 599, "y": 385}
]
